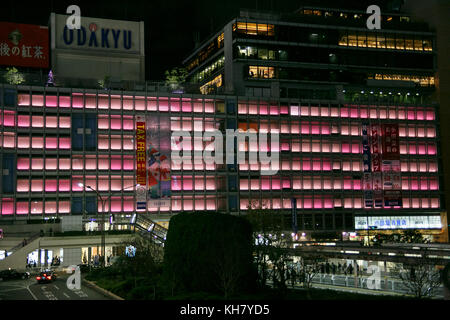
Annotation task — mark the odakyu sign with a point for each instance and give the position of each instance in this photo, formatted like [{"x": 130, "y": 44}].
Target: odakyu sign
[{"x": 98, "y": 34}]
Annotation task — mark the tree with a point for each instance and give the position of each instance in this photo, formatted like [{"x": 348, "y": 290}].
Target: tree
[
  {"x": 176, "y": 77},
  {"x": 13, "y": 76},
  {"x": 421, "y": 278},
  {"x": 104, "y": 84},
  {"x": 270, "y": 244}
]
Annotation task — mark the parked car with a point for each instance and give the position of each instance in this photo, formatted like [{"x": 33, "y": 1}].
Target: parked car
[
  {"x": 12, "y": 274},
  {"x": 46, "y": 276}
]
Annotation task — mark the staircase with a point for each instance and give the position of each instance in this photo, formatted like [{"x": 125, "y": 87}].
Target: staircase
[
  {"x": 149, "y": 229},
  {"x": 18, "y": 258}
]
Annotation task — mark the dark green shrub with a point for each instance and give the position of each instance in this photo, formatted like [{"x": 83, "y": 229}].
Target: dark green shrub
[{"x": 209, "y": 252}]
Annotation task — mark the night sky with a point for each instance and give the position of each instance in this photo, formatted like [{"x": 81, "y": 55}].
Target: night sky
[{"x": 169, "y": 25}]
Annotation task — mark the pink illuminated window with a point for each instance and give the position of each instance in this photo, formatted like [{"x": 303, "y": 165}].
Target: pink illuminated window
[
  {"x": 23, "y": 121},
  {"x": 139, "y": 103},
  {"x": 335, "y": 112},
  {"x": 405, "y": 183},
  {"x": 354, "y": 112},
  {"x": 411, "y": 114},
  {"x": 347, "y": 183},
  {"x": 415, "y": 203},
  {"x": 64, "y": 143},
  {"x": 307, "y": 202},
  {"x": 164, "y": 105},
  {"x": 37, "y": 142},
  {"x": 37, "y": 100},
  {"x": 37, "y": 163},
  {"x": 7, "y": 206},
  {"x": 103, "y": 183},
  {"x": 315, "y": 146},
  {"x": 128, "y": 124},
  {"x": 8, "y": 140},
  {"x": 37, "y": 207},
  {"x": 116, "y": 122},
  {"x": 392, "y": 113},
  {"x": 429, "y": 114},
  {"x": 127, "y": 103},
  {"x": 403, "y": 147},
  {"x": 314, "y": 111},
  {"x": 327, "y": 183},
  {"x": 23, "y": 99},
  {"x": 434, "y": 203},
  {"x": 116, "y": 103},
  {"x": 51, "y": 101},
  {"x": 23, "y": 163},
  {"x": 317, "y": 183},
  {"x": 306, "y": 164},
  {"x": 23, "y": 185},
  {"x": 345, "y": 147},
  {"x": 50, "y": 207},
  {"x": 356, "y": 184},
  {"x": 315, "y": 128},
  {"x": 307, "y": 184},
  {"x": 325, "y": 128},
  {"x": 432, "y": 167},
  {"x": 328, "y": 203},
  {"x": 431, "y": 132},
  {"x": 63, "y": 207},
  {"x": 324, "y": 112},
  {"x": 304, "y": 111},
  {"x": 344, "y": 112},
  {"x": 64, "y": 101},
  {"x": 373, "y": 113},
  {"x": 420, "y": 114},
  {"x": 103, "y": 142},
  {"x": 90, "y": 164},
  {"x": 187, "y": 106},
  {"x": 355, "y": 147},
  {"x": 274, "y": 110},
  {"x": 37, "y": 185},
  {"x": 348, "y": 203},
  {"x": 383, "y": 113},
  {"x": 22, "y": 207},
  {"x": 50, "y": 185},
  {"x": 414, "y": 183},
  {"x": 51, "y": 122},
  {"x": 51, "y": 143},
  {"x": 326, "y": 165},
  {"x": 103, "y": 122},
  {"x": 23, "y": 142},
  {"x": 412, "y": 148},
  {"x": 64, "y": 122},
  {"x": 316, "y": 165},
  {"x": 431, "y": 148},
  {"x": 64, "y": 164},
  {"x": 8, "y": 118},
  {"x": 294, "y": 110},
  {"x": 77, "y": 164},
  {"x": 103, "y": 102}
]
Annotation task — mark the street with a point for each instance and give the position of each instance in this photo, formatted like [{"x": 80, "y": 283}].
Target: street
[{"x": 29, "y": 289}]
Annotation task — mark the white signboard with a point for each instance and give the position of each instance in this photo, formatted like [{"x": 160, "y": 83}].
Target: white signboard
[
  {"x": 399, "y": 222},
  {"x": 99, "y": 35}
]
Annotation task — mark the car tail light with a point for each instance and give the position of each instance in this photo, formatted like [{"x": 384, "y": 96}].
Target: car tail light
[
  {"x": 49, "y": 277},
  {"x": 38, "y": 278}
]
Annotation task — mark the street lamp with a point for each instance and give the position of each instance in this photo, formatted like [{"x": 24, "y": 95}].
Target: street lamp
[{"x": 102, "y": 228}]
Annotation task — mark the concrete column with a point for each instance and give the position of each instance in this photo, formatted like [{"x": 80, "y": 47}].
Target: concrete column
[{"x": 46, "y": 258}]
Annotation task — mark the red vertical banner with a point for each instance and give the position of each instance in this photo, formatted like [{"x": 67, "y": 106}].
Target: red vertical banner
[
  {"x": 141, "y": 163},
  {"x": 377, "y": 181},
  {"x": 391, "y": 165}
]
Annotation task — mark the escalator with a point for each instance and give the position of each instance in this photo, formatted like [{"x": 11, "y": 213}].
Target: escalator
[{"x": 149, "y": 229}]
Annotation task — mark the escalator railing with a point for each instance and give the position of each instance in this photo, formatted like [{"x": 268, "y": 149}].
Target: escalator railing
[{"x": 149, "y": 229}]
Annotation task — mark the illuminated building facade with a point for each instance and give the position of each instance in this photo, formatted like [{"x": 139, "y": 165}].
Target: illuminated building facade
[
  {"x": 338, "y": 87},
  {"x": 359, "y": 134}
]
